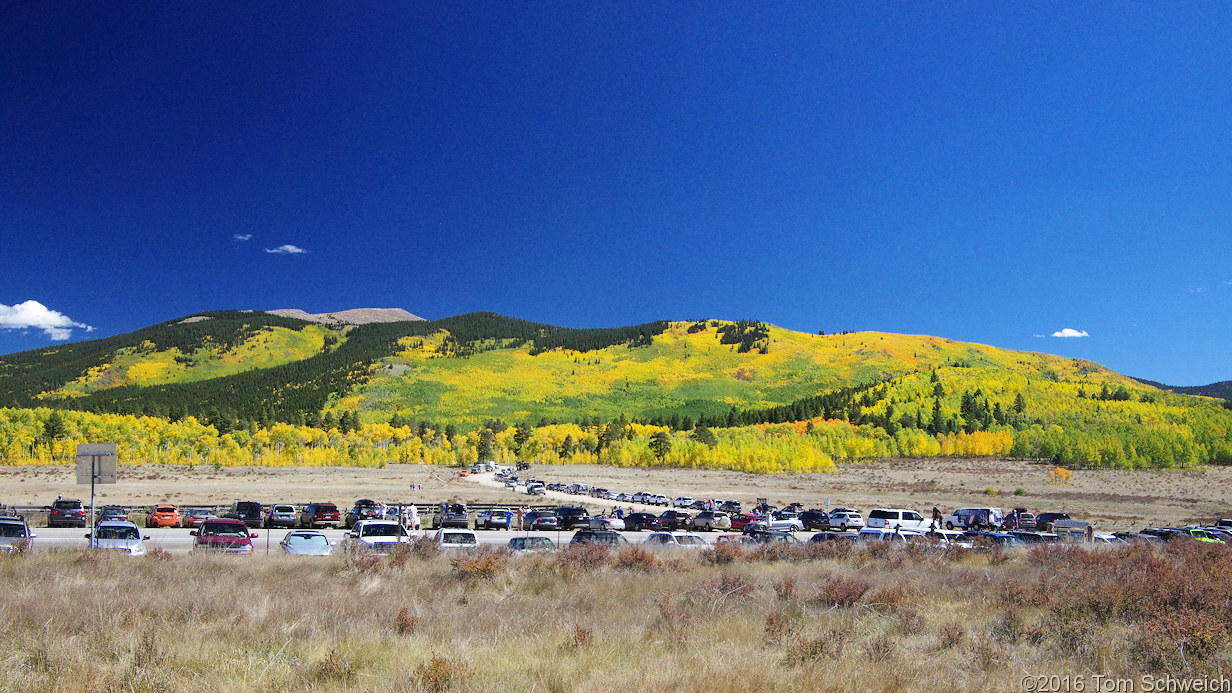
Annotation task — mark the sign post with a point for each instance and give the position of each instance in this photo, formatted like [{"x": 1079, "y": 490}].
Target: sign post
[{"x": 96, "y": 463}]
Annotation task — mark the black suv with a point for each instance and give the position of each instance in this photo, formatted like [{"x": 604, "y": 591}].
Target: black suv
[
  {"x": 636, "y": 522},
  {"x": 676, "y": 519},
  {"x": 572, "y": 517},
  {"x": 250, "y": 512},
  {"x": 815, "y": 519},
  {"x": 1044, "y": 521},
  {"x": 67, "y": 513}
]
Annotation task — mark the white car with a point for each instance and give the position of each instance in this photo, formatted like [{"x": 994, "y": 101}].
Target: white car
[
  {"x": 456, "y": 539},
  {"x": 891, "y": 535},
  {"x": 536, "y": 489},
  {"x": 682, "y": 502},
  {"x": 14, "y": 534},
  {"x": 612, "y": 523},
  {"x": 657, "y": 499},
  {"x": 777, "y": 522},
  {"x": 379, "y": 536},
  {"x": 675, "y": 540},
  {"x": 843, "y": 520},
  {"x": 121, "y": 536}
]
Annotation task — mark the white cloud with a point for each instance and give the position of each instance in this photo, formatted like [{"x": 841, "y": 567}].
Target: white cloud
[
  {"x": 1070, "y": 332},
  {"x": 30, "y": 314},
  {"x": 242, "y": 236},
  {"x": 287, "y": 249}
]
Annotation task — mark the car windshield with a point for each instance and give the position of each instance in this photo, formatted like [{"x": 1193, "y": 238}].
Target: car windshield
[
  {"x": 67, "y": 505},
  {"x": 459, "y": 539},
  {"x": 221, "y": 529},
  {"x": 382, "y": 531},
  {"x": 117, "y": 533},
  {"x": 164, "y": 509},
  {"x": 305, "y": 540},
  {"x": 283, "y": 509},
  {"x": 12, "y": 529},
  {"x": 690, "y": 541}
]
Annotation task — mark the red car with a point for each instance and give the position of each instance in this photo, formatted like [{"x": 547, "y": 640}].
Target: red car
[
  {"x": 225, "y": 535},
  {"x": 317, "y": 515},
  {"x": 740, "y": 520}
]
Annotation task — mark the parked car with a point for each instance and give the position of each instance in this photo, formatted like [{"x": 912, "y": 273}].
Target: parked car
[
  {"x": 317, "y": 515},
  {"x": 281, "y": 515},
  {"x": 451, "y": 515},
  {"x": 982, "y": 539},
  {"x": 974, "y": 518},
  {"x": 590, "y": 536},
  {"x": 741, "y": 520},
  {"x": 890, "y": 534},
  {"x": 833, "y": 536},
  {"x": 775, "y": 522},
  {"x": 657, "y": 499},
  {"x": 111, "y": 513},
  {"x": 1019, "y": 518},
  {"x": 452, "y": 539},
  {"x": 1044, "y": 521},
  {"x": 636, "y": 522},
  {"x": 1030, "y": 537},
  {"x": 896, "y": 518},
  {"x": 535, "y": 490},
  {"x": 67, "y": 512},
  {"x": 363, "y": 509},
  {"x": 306, "y": 542},
  {"x": 608, "y": 522},
  {"x": 771, "y": 537},
  {"x": 731, "y": 507},
  {"x": 732, "y": 539},
  {"x": 15, "y": 534},
  {"x": 377, "y": 536},
  {"x": 682, "y": 502},
  {"x": 674, "y": 540},
  {"x": 710, "y": 520},
  {"x": 525, "y": 545},
  {"x": 494, "y": 518},
  {"x": 540, "y": 520},
  {"x": 844, "y": 519},
  {"x": 120, "y": 536},
  {"x": 225, "y": 535},
  {"x": 193, "y": 517},
  {"x": 573, "y": 516},
  {"x": 163, "y": 516},
  {"x": 250, "y": 512},
  {"x": 815, "y": 519},
  {"x": 676, "y": 519}
]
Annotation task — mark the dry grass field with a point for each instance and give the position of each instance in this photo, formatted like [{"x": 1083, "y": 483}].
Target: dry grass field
[
  {"x": 820, "y": 618},
  {"x": 1112, "y": 500}
]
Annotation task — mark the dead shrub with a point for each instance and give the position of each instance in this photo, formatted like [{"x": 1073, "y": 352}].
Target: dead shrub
[
  {"x": 880, "y": 648},
  {"x": 423, "y": 546},
  {"x": 1009, "y": 626},
  {"x": 730, "y": 584},
  {"x": 405, "y": 622},
  {"x": 785, "y": 588},
  {"x": 842, "y": 591},
  {"x": 334, "y": 667},
  {"x": 637, "y": 559},
  {"x": 158, "y": 553},
  {"x": 828, "y": 645},
  {"x": 1180, "y": 642},
  {"x": 911, "y": 620},
  {"x": 950, "y": 635},
  {"x": 581, "y": 639},
  {"x": 583, "y": 557},
  {"x": 779, "y": 624},
  {"x": 724, "y": 553},
  {"x": 480, "y": 565},
  {"x": 674, "y": 621},
  {"x": 440, "y": 674},
  {"x": 987, "y": 653}
]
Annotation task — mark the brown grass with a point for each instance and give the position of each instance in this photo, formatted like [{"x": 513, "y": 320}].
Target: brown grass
[{"x": 597, "y": 620}]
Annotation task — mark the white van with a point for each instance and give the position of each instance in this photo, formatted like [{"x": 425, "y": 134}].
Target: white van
[
  {"x": 896, "y": 518},
  {"x": 883, "y": 534},
  {"x": 972, "y": 518}
]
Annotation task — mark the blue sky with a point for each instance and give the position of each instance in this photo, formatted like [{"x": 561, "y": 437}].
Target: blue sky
[{"x": 987, "y": 172}]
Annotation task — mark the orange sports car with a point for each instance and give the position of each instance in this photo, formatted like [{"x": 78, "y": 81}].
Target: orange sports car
[{"x": 164, "y": 516}]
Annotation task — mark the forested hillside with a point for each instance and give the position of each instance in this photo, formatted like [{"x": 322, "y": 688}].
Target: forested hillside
[{"x": 241, "y": 387}]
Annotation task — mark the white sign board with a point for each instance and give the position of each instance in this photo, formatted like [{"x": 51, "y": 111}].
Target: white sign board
[{"x": 96, "y": 462}]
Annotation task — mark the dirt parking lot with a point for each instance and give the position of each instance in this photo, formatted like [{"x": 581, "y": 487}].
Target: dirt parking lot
[{"x": 1113, "y": 500}]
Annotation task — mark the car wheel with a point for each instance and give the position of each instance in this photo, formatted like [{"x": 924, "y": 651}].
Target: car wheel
[
  {"x": 842, "y": 527},
  {"x": 949, "y": 525}
]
